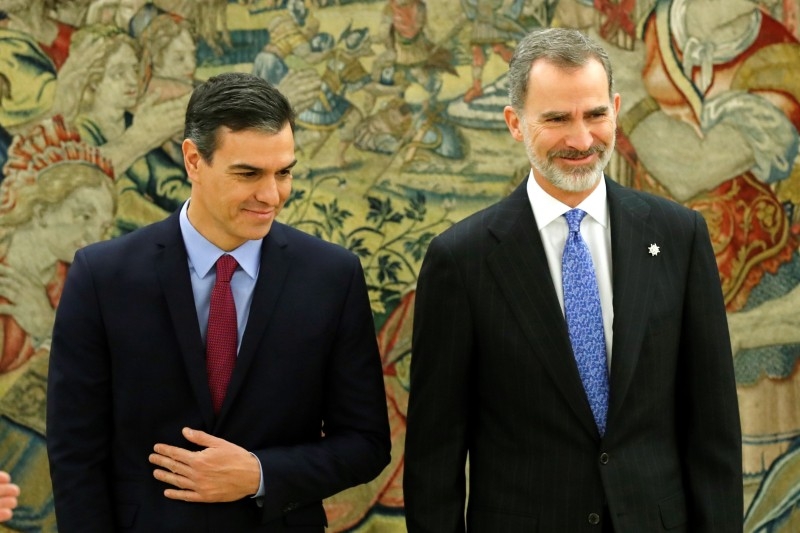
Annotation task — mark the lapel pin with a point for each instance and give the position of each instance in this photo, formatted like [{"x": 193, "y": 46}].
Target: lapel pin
[{"x": 653, "y": 249}]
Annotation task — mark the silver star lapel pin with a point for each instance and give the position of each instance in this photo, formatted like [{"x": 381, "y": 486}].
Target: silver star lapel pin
[{"x": 653, "y": 249}]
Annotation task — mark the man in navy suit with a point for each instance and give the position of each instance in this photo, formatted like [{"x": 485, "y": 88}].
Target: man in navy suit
[
  {"x": 135, "y": 440},
  {"x": 650, "y": 443}
]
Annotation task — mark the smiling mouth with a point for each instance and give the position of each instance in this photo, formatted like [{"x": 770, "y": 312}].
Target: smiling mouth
[
  {"x": 260, "y": 213},
  {"x": 577, "y": 155},
  {"x": 576, "y": 159}
]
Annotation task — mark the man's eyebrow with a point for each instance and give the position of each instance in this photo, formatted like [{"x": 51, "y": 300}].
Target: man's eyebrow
[
  {"x": 549, "y": 115},
  {"x": 251, "y": 168},
  {"x": 598, "y": 109},
  {"x": 244, "y": 167}
]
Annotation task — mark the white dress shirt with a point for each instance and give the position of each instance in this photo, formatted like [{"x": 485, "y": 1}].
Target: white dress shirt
[{"x": 596, "y": 232}]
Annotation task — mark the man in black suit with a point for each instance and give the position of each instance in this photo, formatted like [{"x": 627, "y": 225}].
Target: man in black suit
[
  {"x": 140, "y": 436},
  {"x": 652, "y": 441}
]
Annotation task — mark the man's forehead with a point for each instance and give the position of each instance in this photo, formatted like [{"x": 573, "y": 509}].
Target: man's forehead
[{"x": 553, "y": 86}]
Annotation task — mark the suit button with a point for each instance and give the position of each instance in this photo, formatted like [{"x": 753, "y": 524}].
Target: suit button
[
  {"x": 594, "y": 518},
  {"x": 604, "y": 458},
  {"x": 289, "y": 507}
]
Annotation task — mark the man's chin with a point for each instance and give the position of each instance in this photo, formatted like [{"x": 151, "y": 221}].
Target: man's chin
[
  {"x": 257, "y": 231},
  {"x": 577, "y": 181}
]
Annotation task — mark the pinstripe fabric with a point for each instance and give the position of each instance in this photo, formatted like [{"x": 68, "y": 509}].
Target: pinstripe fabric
[{"x": 493, "y": 378}]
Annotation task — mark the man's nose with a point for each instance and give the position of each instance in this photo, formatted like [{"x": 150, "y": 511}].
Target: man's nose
[
  {"x": 580, "y": 136},
  {"x": 268, "y": 191}
]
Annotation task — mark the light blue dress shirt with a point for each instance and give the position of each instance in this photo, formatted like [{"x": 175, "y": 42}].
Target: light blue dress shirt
[{"x": 203, "y": 256}]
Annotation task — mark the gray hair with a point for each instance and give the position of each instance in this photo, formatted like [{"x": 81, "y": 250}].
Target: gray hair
[{"x": 563, "y": 47}]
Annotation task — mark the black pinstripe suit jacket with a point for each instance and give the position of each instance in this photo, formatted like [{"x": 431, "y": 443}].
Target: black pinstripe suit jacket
[{"x": 493, "y": 378}]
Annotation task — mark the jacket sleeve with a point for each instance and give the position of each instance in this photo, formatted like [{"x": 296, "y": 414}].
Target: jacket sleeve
[
  {"x": 437, "y": 426},
  {"x": 356, "y": 443},
  {"x": 708, "y": 424},
  {"x": 79, "y": 424}
]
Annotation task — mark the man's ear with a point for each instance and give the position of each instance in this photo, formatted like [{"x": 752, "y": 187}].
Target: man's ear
[
  {"x": 513, "y": 122},
  {"x": 191, "y": 159}
]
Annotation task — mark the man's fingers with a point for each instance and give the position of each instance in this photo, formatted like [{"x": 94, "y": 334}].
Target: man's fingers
[
  {"x": 195, "y": 436},
  {"x": 167, "y": 476},
  {"x": 173, "y": 452},
  {"x": 168, "y": 463},
  {"x": 202, "y": 438},
  {"x": 183, "y": 485},
  {"x": 214, "y": 474},
  {"x": 183, "y": 495}
]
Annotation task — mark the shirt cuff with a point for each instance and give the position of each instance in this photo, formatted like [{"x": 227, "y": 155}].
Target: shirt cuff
[{"x": 261, "y": 491}]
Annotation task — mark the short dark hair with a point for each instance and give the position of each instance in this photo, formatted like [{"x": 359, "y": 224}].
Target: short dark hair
[
  {"x": 565, "y": 48},
  {"x": 237, "y": 101}
]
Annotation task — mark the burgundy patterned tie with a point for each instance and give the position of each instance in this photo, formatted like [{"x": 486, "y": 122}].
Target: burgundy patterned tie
[{"x": 221, "y": 336}]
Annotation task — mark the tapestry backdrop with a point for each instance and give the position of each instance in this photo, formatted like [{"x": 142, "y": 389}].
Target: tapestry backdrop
[{"x": 400, "y": 134}]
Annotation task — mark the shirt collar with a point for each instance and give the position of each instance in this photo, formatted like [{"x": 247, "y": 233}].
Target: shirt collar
[
  {"x": 203, "y": 254},
  {"x": 546, "y": 209}
]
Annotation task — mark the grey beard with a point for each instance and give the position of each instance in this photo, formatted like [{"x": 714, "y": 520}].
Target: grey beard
[{"x": 578, "y": 179}]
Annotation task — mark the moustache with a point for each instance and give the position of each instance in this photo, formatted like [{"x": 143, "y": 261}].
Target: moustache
[{"x": 577, "y": 154}]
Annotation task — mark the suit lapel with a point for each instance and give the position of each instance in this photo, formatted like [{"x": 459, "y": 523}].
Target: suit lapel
[
  {"x": 173, "y": 274},
  {"x": 519, "y": 266},
  {"x": 631, "y": 235},
  {"x": 271, "y": 276}
]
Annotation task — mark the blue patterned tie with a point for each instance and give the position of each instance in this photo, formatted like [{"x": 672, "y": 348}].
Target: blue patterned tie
[{"x": 584, "y": 318}]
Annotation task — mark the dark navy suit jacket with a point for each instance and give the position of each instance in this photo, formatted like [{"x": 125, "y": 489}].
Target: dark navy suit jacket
[{"x": 127, "y": 371}]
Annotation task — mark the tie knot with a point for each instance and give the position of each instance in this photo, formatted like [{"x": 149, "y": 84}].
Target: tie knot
[
  {"x": 574, "y": 217},
  {"x": 226, "y": 264}
]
